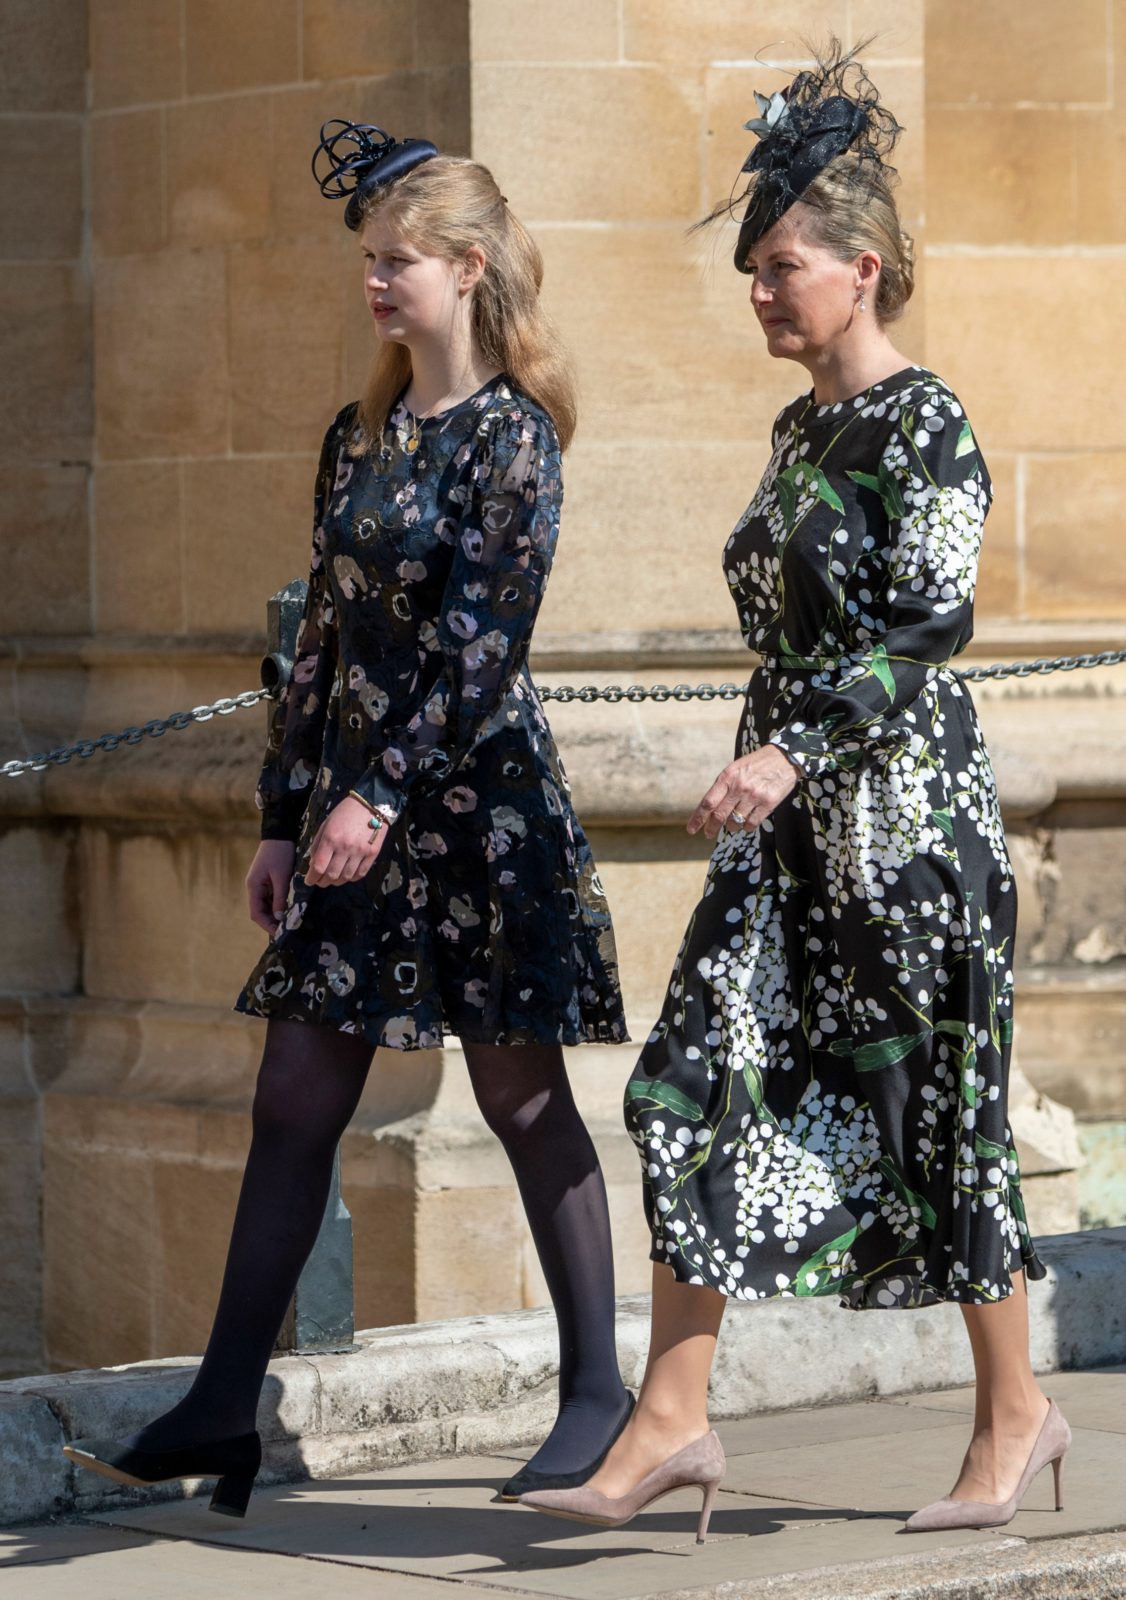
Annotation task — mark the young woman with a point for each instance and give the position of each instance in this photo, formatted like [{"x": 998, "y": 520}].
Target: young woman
[
  {"x": 821, "y": 1106},
  {"x": 421, "y": 868}
]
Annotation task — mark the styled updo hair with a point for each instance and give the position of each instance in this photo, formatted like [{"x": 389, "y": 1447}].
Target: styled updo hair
[
  {"x": 855, "y": 210},
  {"x": 443, "y": 207}
]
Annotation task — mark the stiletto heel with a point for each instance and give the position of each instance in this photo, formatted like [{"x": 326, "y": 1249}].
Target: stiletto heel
[
  {"x": 1052, "y": 1443},
  {"x": 700, "y": 1464},
  {"x": 710, "y": 1492},
  {"x": 231, "y": 1495}
]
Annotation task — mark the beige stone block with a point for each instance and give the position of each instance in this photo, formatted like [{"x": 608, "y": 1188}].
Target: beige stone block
[
  {"x": 431, "y": 105},
  {"x": 541, "y": 30},
  {"x": 97, "y": 1254},
  {"x": 296, "y": 116},
  {"x": 383, "y": 1248},
  {"x": 164, "y": 917},
  {"x": 193, "y": 1209},
  {"x": 998, "y": 572},
  {"x": 1020, "y": 52},
  {"x": 653, "y": 884},
  {"x": 43, "y": 50},
  {"x": 666, "y": 529},
  {"x": 1075, "y": 556},
  {"x": 545, "y": 132},
  {"x": 358, "y": 38},
  {"x": 700, "y": 30},
  {"x": 138, "y": 575},
  {"x": 286, "y": 310},
  {"x": 136, "y": 51},
  {"x": 218, "y": 170},
  {"x": 665, "y": 342},
  {"x": 442, "y": 34},
  {"x": 241, "y": 47},
  {"x": 1100, "y": 176},
  {"x": 128, "y": 204},
  {"x": 247, "y": 532},
  {"x": 731, "y": 102},
  {"x": 469, "y": 1256},
  {"x": 21, "y": 1280},
  {"x": 37, "y": 158},
  {"x": 161, "y": 355},
  {"x": 1000, "y": 177},
  {"x": 1030, "y": 331},
  {"x": 897, "y": 26},
  {"x": 45, "y": 534},
  {"x": 45, "y": 383}
]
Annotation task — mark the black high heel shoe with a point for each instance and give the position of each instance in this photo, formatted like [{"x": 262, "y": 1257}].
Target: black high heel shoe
[
  {"x": 234, "y": 1461},
  {"x": 529, "y": 1481}
]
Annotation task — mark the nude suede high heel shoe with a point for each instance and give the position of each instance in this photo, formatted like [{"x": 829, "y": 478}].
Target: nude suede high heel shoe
[
  {"x": 1051, "y": 1445},
  {"x": 700, "y": 1464}
]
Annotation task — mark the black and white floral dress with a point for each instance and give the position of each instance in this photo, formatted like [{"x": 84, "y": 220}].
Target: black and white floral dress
[
  {"x": 483, "y": 914},
  {"x": 820, "y": 1108}
]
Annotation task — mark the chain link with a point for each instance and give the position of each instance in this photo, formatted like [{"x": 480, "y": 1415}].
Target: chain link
[
  {"x": 587, "y": 694},
  {"x": 177, "y": 722}
]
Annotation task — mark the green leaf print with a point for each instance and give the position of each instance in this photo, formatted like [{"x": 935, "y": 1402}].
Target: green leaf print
[
  {"x": 789, "y": 657},
  {"x": 880, "y": 1053},
  {"x": 815, "y": 1276},
  {"x": 752, "y": 1077},
  {"x": 966, "y": 441},
  {"x": 957, "y": 1030},
  {"x": 865, "y": 480},
  {"x": 1005, "y": 1031},
  {"x": 988, "y": 1151},
  {"x": 891, "y": 494},
  {"x": 824, "y": 491},
  {"x": 664, "y": 1094},
  {"x": 881, "y": 670},
  {"x": 905, "y": 1192},
  {"x": 787, "y": 498},
  {"x": 945, "y": 822}
]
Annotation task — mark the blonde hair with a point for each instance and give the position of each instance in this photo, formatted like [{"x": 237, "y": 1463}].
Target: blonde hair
[
  {"x": 444, "y": 207},
  {"x": 855, "y": 210}
]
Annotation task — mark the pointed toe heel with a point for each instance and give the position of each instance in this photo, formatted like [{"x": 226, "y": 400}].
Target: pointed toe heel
[
  {"x": 1052, "y": 1444},
  {"x": 231, "y": 1494},
  {"x": 700, "y": 1465}
]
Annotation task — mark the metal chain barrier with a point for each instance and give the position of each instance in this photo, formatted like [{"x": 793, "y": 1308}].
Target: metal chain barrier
[{"x": 564, "y": 695}]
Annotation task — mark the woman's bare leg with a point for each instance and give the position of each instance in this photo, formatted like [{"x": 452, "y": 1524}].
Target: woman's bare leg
[
  {"x": 672, "y": 1408},
  {"x": 1010, "y": 1405}
]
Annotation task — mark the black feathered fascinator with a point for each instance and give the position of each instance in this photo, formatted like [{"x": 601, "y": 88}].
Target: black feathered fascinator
[
  {"x": 824, "y": 112},
  {"x": 354, "y": 159}
]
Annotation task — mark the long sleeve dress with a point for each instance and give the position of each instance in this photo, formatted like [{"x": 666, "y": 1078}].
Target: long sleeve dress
[
  {"x": 820, "y": 1108},
  {"x": 483, "y": 914}
]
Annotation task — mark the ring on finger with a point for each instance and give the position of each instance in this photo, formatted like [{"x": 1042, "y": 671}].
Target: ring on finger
[{"x": 737, "y": 816}]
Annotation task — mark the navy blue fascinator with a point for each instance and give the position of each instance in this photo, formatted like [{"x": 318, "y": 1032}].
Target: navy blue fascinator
[
  {"x": 353, "y": 159},
  {"x": 824, "y": 112}
]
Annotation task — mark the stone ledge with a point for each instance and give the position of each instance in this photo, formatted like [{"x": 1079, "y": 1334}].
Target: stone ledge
[{"x": 484, "y": 1384}]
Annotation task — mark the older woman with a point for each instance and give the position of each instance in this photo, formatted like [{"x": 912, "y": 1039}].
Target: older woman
[{"x": 820, "y": 1108}]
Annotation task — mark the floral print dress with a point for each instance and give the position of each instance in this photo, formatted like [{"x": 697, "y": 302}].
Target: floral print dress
[
  {"x": 820, "y": 1108},
  {"x": 483, "y": 913}
]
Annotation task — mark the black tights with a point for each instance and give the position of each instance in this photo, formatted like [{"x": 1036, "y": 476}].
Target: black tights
[{"x": 308, "y": 1088}]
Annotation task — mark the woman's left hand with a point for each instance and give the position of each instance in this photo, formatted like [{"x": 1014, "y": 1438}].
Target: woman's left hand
[
  {"x": 345, "y": 847},
  {"x": 746, "y": 792}
]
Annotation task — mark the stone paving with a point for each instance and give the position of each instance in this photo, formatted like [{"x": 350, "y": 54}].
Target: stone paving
[{"x": 812, "y": 1507}]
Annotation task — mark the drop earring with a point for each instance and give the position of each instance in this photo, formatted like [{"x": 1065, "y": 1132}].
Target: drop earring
[{"x": 863, "y": 306}]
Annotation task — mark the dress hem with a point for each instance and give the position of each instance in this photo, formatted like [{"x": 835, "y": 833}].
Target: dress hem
[
  {"x": 859, "y": 1297},
  {"x": 592, "y": 1034}
]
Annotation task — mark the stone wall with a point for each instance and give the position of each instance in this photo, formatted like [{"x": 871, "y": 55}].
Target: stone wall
[{"x": 186, "y": 247}]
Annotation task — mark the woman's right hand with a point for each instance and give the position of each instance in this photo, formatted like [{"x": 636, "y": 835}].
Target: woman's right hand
[{"x": 267, "y": 882}]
